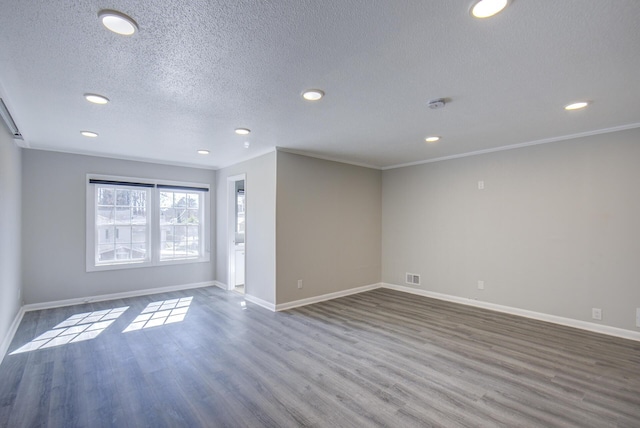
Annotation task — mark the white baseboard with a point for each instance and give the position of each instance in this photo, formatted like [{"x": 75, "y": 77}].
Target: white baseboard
[
  {"x": 569, "y": 322},
  {"x": 323, "y": 297},
  {"x": 260, "y": 302},
  {"x": 8, "y": 338},
  {"x": 114, "y": 296},
  {"x": 220, "y": 285}
]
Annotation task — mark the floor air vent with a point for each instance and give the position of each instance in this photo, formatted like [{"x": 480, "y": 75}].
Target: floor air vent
[{"x": 413, "y": 279}]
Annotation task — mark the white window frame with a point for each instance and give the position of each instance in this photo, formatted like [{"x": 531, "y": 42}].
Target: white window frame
[{"x": 153, "y": 227}]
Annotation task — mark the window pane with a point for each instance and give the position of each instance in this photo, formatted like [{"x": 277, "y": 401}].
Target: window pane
[
  {"x": 166, "y": 250},
  {"x": 166, "y": 199},
  {"x": 106, "y": 215},
  {"x": 138, "y": 251},
  {"x": 123, "y": 235},
  {"x": 105, "y": 253},
  {"x": 106, "y": 234},
  {"x": 123, "y": 197},
  {"x": 123, "y": 253},
  {"x": 179, "y": 199},
  {"x": 138, "y": 234},
  {"x": 193, "y": 200},
  {"x": 167, "y": 216},
  {"x": 192, "y": 217},
  {"x": 105, "y": 196},
  {"x": 123, "y": 215}
]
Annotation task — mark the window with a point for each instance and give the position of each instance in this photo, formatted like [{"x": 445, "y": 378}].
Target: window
[{"x": 134, "y": 223}]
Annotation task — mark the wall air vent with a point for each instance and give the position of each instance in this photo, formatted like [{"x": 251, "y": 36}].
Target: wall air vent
[
  {"x": 412, "y": 279},
  {"x": 8, "y": 120}
]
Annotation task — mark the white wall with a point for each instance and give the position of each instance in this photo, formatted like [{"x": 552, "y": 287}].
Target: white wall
[
  {"x": 328, "y": 227},
  {"x": 554, "y": 231},
  {"x": 10, "y": 218},
  {"x": 54, "y": 212},
  {"x": 260, "y": 237}
]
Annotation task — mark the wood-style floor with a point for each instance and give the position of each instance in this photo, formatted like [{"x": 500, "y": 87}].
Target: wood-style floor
[{"x": 381, "y": 358}]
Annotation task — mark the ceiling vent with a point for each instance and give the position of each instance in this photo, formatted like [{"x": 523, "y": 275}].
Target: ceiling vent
[
  {"x": 436, "y": 104},
  {"x": 8, "y": 121}
]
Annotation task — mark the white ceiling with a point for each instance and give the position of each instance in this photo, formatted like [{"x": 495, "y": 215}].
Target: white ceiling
[{"x": 198, "y": 69}]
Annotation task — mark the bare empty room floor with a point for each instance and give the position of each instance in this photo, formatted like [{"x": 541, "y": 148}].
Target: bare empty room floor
[{"x": 204, "y": 357}]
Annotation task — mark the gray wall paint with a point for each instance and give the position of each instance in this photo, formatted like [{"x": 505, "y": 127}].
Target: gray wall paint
[
  {"x": 328, "y": 227},
  {"x": 54, "y": 214},
  {"x": 10, "y": 219},
  {"x": 260, "y": 236},
  {"x": 554, "y": 231}
]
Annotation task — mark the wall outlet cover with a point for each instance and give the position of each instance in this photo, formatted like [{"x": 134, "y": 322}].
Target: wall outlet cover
[{"x": 596, "y": 313}]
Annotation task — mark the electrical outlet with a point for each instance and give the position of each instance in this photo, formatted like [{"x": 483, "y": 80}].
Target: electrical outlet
[
  {"x": 480, "y": 285},
  {"x": 596, "y": 313},
  {"x": 637, "y": 317},
  {"x": 299, "y": 283},
  {"x": 480, "y": 185}
]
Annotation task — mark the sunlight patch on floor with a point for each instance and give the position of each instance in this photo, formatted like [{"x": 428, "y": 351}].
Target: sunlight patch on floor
[
  {"x": 76, "y": 328},
  {"x": 161, "y": 313}
]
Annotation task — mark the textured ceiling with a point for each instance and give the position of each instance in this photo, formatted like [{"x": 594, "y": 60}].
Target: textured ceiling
[{"x": 198, "y": 69}]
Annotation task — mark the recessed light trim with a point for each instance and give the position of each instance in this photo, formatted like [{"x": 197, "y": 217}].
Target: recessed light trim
[
  {"x": 487, "y": 8},
  {"x": 313, "y": 94},
  {"x": 118, "y": 22},
  {"x": 96, "y": 99},
  {"x": 89, "y": 134},
  {"x": 577, "y": 105},
  {"x": 242, "y": 131},
  {"x": 432, "y": 139},
  {"x": 203, "y": 152}
]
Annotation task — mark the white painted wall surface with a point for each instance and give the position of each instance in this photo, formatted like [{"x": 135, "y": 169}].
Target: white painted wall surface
[
  {"x": 260, "y": 235},
  {"x": 555, "y": 230},
  {"x": 10, "y": 220},
  {"x": 54, "y": 215}
]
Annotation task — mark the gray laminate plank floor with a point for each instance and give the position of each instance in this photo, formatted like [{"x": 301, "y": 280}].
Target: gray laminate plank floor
[{"x": 207, "y": 358}]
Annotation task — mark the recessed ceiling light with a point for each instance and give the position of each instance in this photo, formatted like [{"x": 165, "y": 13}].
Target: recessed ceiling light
[
  {"x": 118, "y": 22},
  {"x": 487, "y": 8},
  {"x": 576, "y": 106},
  {"x": 89, "y": 134},
  {"x": 242, "y": 131},
  {"x": 203, "y": 152},
  {"x": 96, "y": 99},
  {"x": 432, "y": 139},
  {"x": 246, "y": 144},
  {"x": 312, "y": 94}
]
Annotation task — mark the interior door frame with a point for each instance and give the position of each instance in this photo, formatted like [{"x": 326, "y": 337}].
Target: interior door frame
[{"x": 231, "y": 230}]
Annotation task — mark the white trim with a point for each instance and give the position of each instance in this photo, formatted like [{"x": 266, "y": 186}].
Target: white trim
[
  {"x": 323, "y": 297},
  {"x": 13, "y": 328},
  {"x": 260, "y": 302},
  {"x": 519, "y": 145},
  {"x": 231, "y": 227},
  {"x": 327, "y": 158},
  {"x": 569, "y": 322},
  {"x": 220, "y": 285},
  {"x": 113, "y": 296}
]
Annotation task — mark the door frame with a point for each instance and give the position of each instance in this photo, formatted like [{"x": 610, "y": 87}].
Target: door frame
[{"x": 231, "y": 230}]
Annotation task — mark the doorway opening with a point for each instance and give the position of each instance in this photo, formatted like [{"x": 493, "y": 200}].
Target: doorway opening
[{"x": 236, "y": 232}]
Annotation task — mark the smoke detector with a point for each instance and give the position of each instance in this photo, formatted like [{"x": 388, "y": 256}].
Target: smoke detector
[{"x": 436, "y": 104}]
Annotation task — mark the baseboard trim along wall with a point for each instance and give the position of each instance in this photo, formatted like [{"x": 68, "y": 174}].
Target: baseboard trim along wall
[
  {"x": 260, "y": 302},
  {"x": 323, "y": 297},
  {"x": 114, "y": 296},
  {"x": 220, "y": 285},
  {"x": 569, "y": 322},
  {"x": 6, "y": 341}
]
